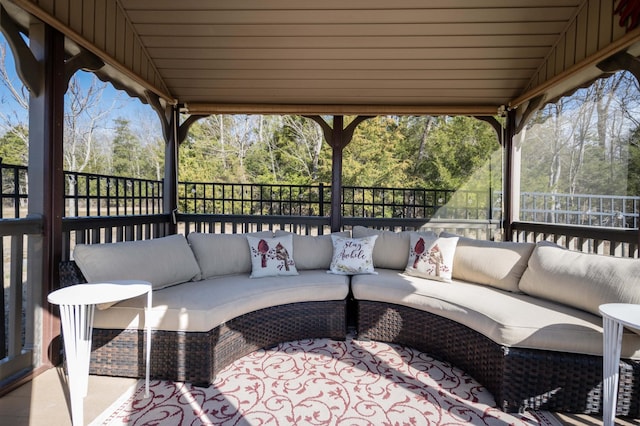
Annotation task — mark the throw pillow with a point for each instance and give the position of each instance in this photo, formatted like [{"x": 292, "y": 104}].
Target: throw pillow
[
  {"x": 431, "y": 257},
  {"x": 271, "y": 257},
  {"x": 391, "y": 249},
  {"x": 312, "y": 252},
  {"x": 352, "y": 256}
]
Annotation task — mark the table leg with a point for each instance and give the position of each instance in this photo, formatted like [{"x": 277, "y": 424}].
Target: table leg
[
  {"x": 77, "y": 326},
  {"x": 611, "y": 359}
]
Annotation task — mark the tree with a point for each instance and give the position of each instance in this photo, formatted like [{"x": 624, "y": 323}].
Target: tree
[
  {"x": 371, "y": 157},
  {"x": 126, "y": 152},
  {"x": 580, "y": 144},
  {"x": 14, "y": 114},
  {"x": 208, "y": 154},
  {"x": 13, "y": 147},
  {"x": 293, "y": 150},
  {"x": 85, "y": 118},
  {"x": 453, "y": 148}
]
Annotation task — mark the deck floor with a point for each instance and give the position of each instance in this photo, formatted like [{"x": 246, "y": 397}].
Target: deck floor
[{"x": 44, "y": 402}]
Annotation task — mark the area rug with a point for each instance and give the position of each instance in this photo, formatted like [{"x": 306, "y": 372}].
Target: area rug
[{"x": 323, "y": 382}]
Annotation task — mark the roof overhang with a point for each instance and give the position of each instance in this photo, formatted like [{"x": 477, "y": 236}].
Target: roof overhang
[{"x": 371, "y": 57}]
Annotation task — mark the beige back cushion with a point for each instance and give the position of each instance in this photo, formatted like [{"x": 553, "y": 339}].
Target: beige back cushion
[
  {"x": 312, "y": 252},
  {"x": 581, "y": 280},
  {"x": 392, "y": 248},
  {"x": 161, "y": 261},
  {"x": 493, "y": 263},
  {"x": 223, "y": 254}
]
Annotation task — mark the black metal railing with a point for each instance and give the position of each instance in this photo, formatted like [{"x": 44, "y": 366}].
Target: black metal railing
[
  {"x": 14, "y": 191},
  {"x": 420, "y": 203},
  {"x": 86, "y": 194},
  {"x": 253, "y": 199},
  {"x": 89, "y": 195},
  {"x": 102, "y": 195},
  {"x": 314, "y": 200}
]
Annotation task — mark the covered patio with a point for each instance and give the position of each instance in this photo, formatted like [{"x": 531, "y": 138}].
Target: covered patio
[{"x": 496, "y": 60}]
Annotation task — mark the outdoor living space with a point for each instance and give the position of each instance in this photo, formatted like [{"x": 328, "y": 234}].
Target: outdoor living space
[{"x": 296, "y": 213}]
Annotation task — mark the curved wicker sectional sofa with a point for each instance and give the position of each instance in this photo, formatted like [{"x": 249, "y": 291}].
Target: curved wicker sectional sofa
[
  {"x": 518, "y": 317},
  {"x": 204, "y": 317}
]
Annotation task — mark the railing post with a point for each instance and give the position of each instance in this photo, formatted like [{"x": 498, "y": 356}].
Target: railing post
[
  {"x": 511, "y": 188},
  {"x": 321, "y": 199}
]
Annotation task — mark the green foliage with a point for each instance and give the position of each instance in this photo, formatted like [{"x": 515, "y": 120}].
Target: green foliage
[
  {"x": 421, "y": 152},
  {"x": 13, "y": 146},
  {"x": 449, "y": 150},
  {"x": 371, "y": 157}
]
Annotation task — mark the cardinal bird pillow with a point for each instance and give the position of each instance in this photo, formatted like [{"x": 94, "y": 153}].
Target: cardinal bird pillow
[
  {"x": 431, "y": 257},
  {"x": 271, "y": 256}
]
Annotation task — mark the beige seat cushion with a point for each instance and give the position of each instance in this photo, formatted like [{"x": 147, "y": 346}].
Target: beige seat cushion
[
  {"x": 509, "y": 319},
  {"x": 161, "y": 261},
  {"x": 312, "y": 252},
  {"x": 391, "y": 250},
  {"x": 584, "y": 281},
  {"x": 498, "y": 264},
  {"x": 223, "y": 254},
  {"x": 203, "y": 305}
]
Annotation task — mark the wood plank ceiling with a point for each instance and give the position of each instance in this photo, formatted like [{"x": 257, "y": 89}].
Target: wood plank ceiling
[{"x": 338, "y": 56}]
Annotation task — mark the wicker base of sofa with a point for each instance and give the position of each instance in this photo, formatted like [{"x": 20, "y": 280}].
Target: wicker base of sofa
[
  {"x": 518, "y": 378},
  {"x": 197, "y": 357}
]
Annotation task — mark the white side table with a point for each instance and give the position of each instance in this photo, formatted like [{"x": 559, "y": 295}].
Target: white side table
[
  {"x": 615, "y": 316},
  {"x": 77, "y": 304}
]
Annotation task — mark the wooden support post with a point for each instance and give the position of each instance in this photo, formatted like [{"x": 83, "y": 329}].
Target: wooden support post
[
  {"x": 44, "y": 68},
  {"x": 337, "y": 146},
  {"x": 338, "y": 137},
  {"x": 46, "y": 178},
  {"x": 170, "y": 196},
  {"x": 174, "y": 134},
  {"x": 509, "y": 169}
]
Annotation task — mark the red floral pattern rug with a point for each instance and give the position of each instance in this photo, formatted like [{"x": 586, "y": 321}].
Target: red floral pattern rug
[{"x": 323, "y": 382}]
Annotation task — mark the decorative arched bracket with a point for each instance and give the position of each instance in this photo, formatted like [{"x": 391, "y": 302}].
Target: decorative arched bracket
[
  {"x": 346, "y": 133},
  {"x": 28, "y": 68},
  {"x": 621, "y": 61},
  {"x": 326, "y": 129},
  {"x": 84, "y": 60},
  {"x": 183, "y": 130},
  {"x": 533, "y": 105},
  {"x": 497, "y": 126},
  {"x": 165, "y": 113}
]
